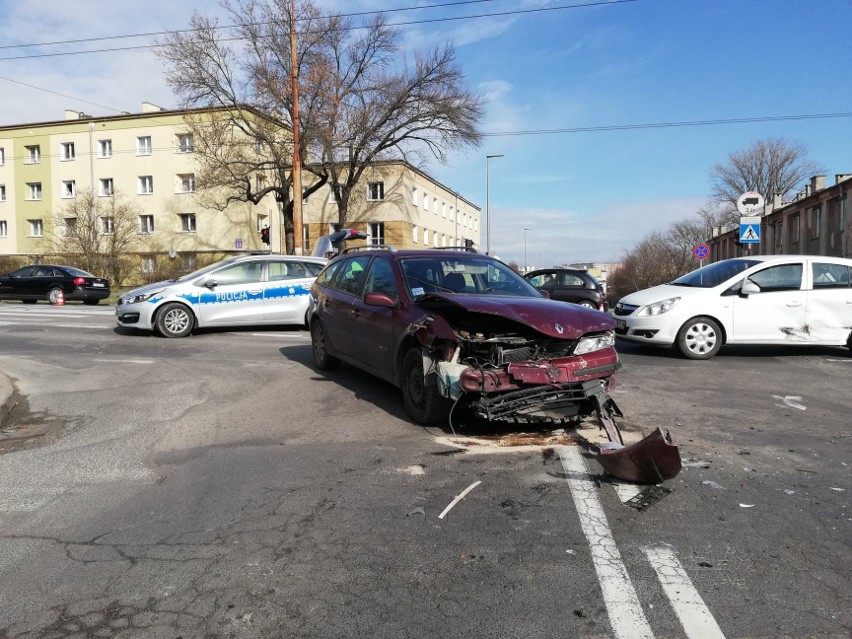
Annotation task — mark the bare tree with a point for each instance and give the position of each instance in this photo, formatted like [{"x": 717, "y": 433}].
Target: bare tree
[
  {"x": 360, "y": 100},
  {"x": 768, "y": 166},
  {"x": 97, "y": 233}
]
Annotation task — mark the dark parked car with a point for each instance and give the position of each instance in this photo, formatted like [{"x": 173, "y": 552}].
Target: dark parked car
[
  {"x": 569, "y": 285},
  {"x": 45, "y": 281},
  {"x": 454, "y": 326}
]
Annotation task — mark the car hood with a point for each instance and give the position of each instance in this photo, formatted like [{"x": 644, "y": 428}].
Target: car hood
[
  {"x": 549, "y": 317},
  {"x": 659, "y": 293},
  {"x": 150, "y": 287}
]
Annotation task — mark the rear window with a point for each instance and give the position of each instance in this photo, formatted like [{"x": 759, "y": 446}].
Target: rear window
[{"x": 831, "y": 275}]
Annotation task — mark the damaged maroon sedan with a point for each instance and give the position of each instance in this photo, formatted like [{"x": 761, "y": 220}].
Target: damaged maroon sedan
[{"x": 457, "y": 329}]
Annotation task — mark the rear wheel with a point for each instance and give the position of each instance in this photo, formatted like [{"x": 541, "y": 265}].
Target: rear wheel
[
  {"x": 699, "y": 338},
  {"x": 423, "y": 403},
  {"x": 174, "y": 320},
  {"x": 322, "y": 360},
  {"x": 53, "y": 295},
  {"x": 588, "y": 304}
]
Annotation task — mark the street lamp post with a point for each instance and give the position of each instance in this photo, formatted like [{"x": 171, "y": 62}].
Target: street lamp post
[
  {"x": 525, "y": 250},
  {"x": 488, "y": 203}
]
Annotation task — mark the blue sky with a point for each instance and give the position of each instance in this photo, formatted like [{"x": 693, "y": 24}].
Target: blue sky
[{"x": 585, "y": 196}]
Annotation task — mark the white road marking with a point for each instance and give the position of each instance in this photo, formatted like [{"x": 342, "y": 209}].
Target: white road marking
[
  {"x": 458, "y": 498},
  {"x": 626, "y": 616},
  {"x": 791, "y": 401},
  {"x": 81, "y": 326},
  {"x": 282, "y": 335},
  {"x": 126, "y": 361},
  {"x": 688, "y": 605}
]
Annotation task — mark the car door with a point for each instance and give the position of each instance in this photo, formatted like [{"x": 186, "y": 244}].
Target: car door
[
  {"x": 286, "y": 291},
  {"x": 16, "y": 284},
  {"x": 372, "y": 326},
  {"x": 570, "y": 287},
  {"x": 829, "y": 312},
  {"x": 337, "y": 312},
  {"x": 234, "y": 295},
  {"x": 777, "y": 313}
]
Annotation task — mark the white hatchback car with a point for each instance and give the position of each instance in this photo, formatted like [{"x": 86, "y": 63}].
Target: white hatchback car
[
  {"x": 238, "y": 291},
  {"x": 774, "y": 299}
]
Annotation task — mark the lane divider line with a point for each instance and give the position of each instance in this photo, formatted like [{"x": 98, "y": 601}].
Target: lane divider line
[
  {"x": 458, "y": 498},
  {"x": 626, "y": 616},
  {"x": 688, "y": 605}
]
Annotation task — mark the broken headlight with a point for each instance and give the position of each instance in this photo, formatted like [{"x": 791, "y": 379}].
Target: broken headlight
[{"x": 595, "y": 343}]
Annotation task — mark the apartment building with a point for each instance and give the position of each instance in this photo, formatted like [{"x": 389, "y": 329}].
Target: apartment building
[
  {"x": 149, "y": 159},
  {"x": 813, "y": 223}
]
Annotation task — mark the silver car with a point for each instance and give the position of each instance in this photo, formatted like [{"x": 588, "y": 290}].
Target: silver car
[{"x": 239, "y": 291}]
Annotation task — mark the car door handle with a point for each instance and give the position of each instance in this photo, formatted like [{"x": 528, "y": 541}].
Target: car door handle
[
  {"x": 355, "y": 312},
  {"x": 255, "y": 291},
  {"x": 794, "y": 303}
]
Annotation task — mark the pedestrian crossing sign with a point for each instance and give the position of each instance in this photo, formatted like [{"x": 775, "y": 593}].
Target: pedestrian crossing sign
[{"x": 750, "y": 233}]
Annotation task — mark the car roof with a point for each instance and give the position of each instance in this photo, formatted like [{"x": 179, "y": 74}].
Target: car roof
[
  {"x": 783, "y": 258},
  {"x": 267, "y": 257}
]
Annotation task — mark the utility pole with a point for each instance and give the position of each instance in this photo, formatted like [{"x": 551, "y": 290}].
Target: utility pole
[{"x": 297, "y": 156}]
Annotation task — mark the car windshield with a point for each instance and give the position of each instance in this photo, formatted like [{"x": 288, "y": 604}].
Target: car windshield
[
  {"x": 715, "y": 274},
  {"x": 203, "y": 271},
  {"x": 463, "y": 273}
]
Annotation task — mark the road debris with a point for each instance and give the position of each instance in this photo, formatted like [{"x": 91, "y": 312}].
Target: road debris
[
  {"x": 648, "y": 497},
  {"x": 713, "y": 484},
  {"x": 458, "y": 498}
]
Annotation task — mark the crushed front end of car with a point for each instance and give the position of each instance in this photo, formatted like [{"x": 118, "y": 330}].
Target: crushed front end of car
[{"x": 532, "y": 361}]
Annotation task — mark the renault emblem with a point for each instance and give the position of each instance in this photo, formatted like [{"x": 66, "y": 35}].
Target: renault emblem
[{"x": 559, "y": 329}]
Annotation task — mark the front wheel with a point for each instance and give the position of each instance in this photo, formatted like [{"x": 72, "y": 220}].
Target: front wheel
[
  {"x": 588, "y": 304},
  {"x": 322, "y": 360},
  {"x": 699, "y": 338},
  {"x": 174, "y": 320},
  {"x": 53, "y": 295},
  {"x": 423, "y": 403}
]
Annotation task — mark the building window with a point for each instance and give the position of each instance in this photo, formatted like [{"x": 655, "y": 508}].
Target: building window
[
  {"x": 143, "y": 145},
  {"x": 426, "y": 237},
  {"x": 36, "y": 228},
  {"x": 306, "y": 239},
  {"x": 443, "y": 209},
  {"x": 2, "y": 192},
  {"x": 106, "y": 187},
  {"x": 2, "y": 156},
  {"x": 794, "y": 229},
  {"x": 187, "y": 183},
  {"x": 188, "y": 262},
  {"x": 414, "y": 234},
  {"x": 67, "y": 150},
  {"x": 187, "y": 222},
  {"x": 185, "y": 143},
  {"x": 33, "y": 154},
  {"x": 425, "y": 202},
  {"x": 149, "y": 263},
  {"x": 377, "y": 232},
  {"x": 259, "y": 183},
  {"x": 816, "y": 218},
  {"x": 69, "y": 188},
  {"x": 34, "y": 190},
  {"x": 435, "y": 239},
  {"x": 146, "y": 224},
  {"x": 104, "y": 148},
  {"x": 70, "y": 224},
  {"x": 414, "y": 195},
  {"x": 146, "y": 184},
  {"x": 331, "y": 198},
  {"x": 375, "y": 191},
  {"x": 262, "y": 221},
  {"x": 4, "y": 228},
  {"x": 107, "y": 225}
]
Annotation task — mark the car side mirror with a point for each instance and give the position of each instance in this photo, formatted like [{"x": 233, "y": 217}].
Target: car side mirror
[
  {"x": 749, "y": 288},
  {"x": 544, "y": 293},
  {"x": 379, "y": 299}
]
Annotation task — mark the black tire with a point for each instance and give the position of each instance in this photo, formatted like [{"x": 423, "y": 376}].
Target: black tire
[
  {"x": 588, "y": 304},
  {"x": 91, "y": 302},
  {"x": 322, "y": 360},
  {"x": 174, "y": 320},
  {"x": 699, "y": 338},
  {"x": 29, "y": 301},
  {"x": 53, "y": 294},
  {"x": 420, "y": 394}
]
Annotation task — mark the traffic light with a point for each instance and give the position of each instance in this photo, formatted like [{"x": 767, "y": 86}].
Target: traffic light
[{"x": 264, "y": 235}]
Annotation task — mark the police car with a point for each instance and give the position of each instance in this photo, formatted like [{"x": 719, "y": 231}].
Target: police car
[{"x": 239, "y": 291}]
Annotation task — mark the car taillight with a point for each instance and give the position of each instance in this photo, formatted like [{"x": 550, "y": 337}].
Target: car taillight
[{"x": 79, "y": 281}]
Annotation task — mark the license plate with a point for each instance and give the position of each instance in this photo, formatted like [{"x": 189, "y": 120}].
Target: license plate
[
  {"x": 98, "y": 284},
  {"x": 620, "y": 324}
]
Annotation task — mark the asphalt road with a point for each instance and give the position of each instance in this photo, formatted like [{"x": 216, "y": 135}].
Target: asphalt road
[{"x": 219, "y": 486}]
